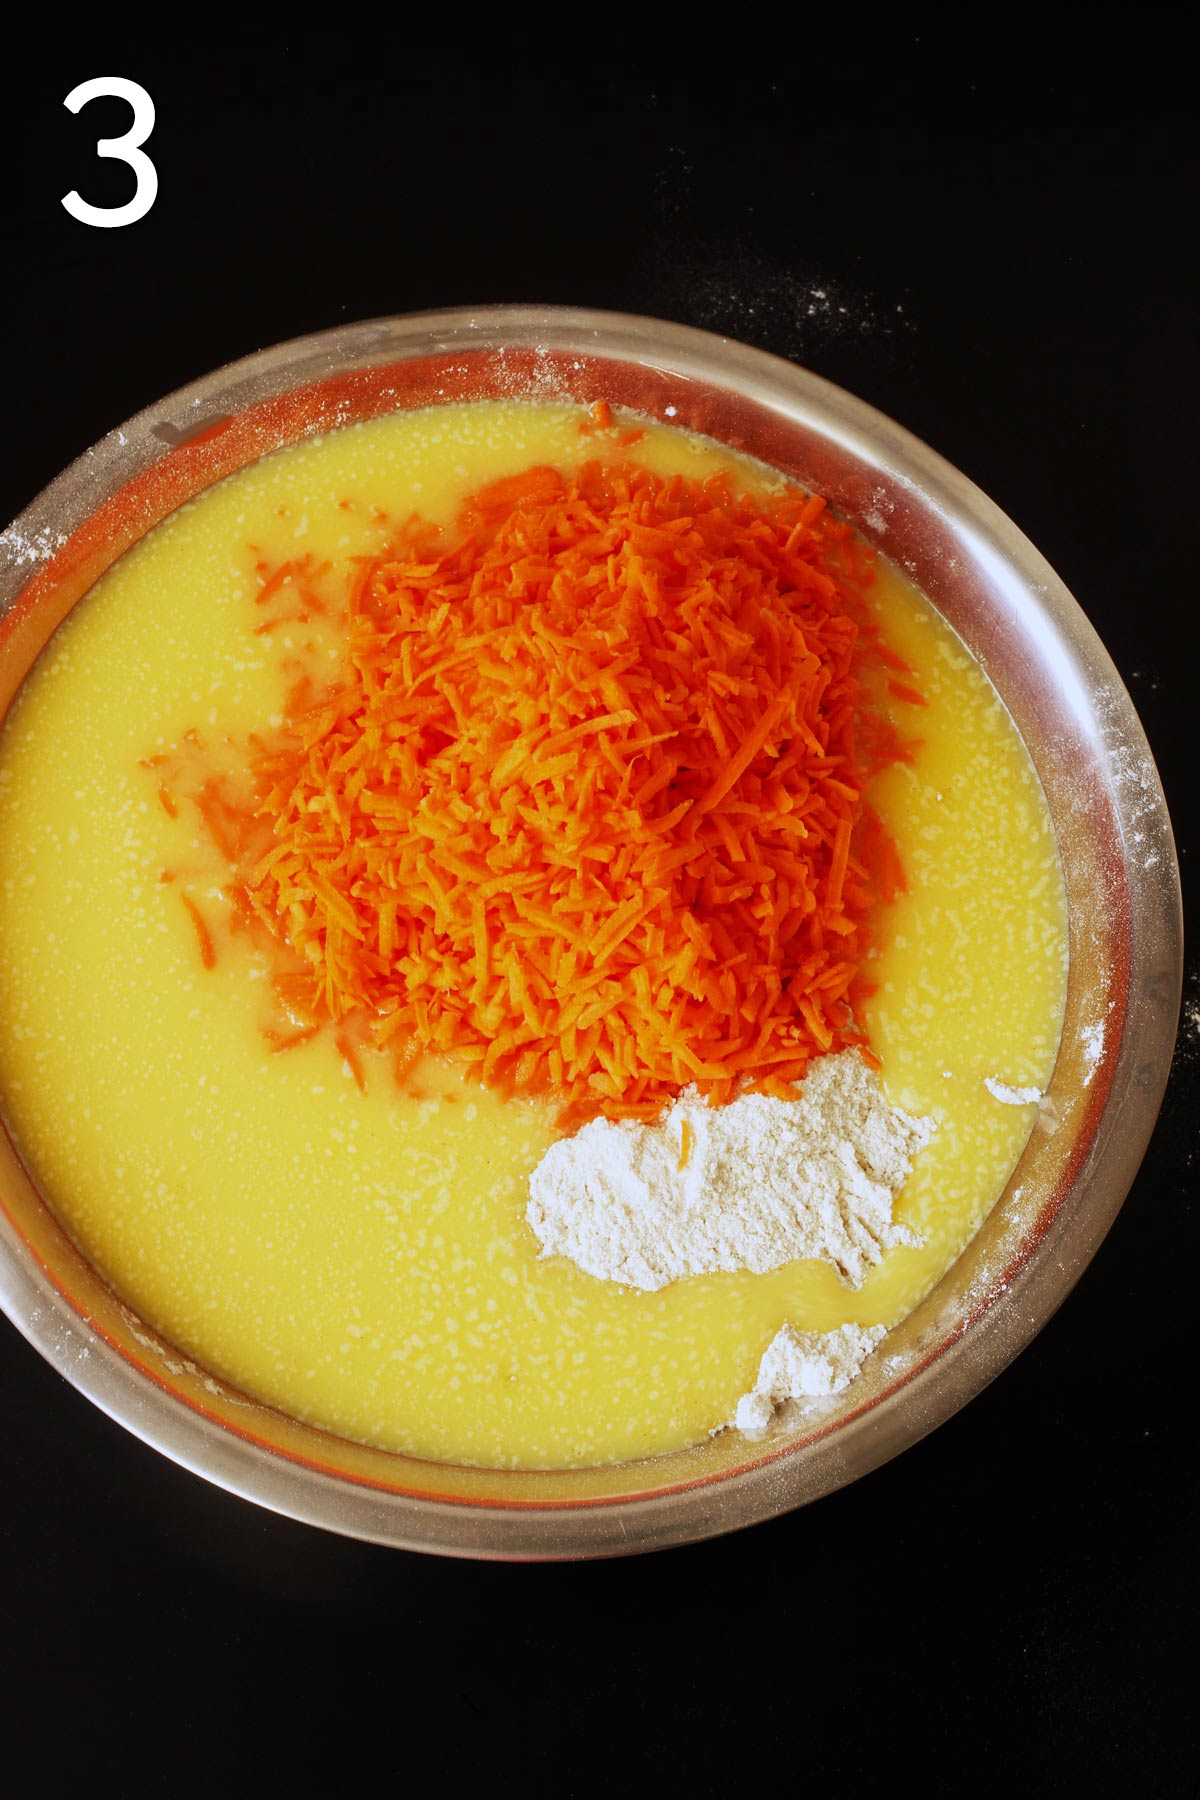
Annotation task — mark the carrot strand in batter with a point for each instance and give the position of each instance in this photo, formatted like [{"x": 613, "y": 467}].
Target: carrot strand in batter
[{"x": 208, "y": 954}]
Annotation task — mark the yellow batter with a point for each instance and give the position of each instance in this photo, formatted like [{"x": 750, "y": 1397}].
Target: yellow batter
[{"x": 362, "y": 1259}]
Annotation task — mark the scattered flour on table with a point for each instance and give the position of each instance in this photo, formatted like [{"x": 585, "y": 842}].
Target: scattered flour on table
[
  {"x": 751, "y": 1185},
  {"x": 801, "y": 1365},
  {"x": 1011, "y": 1096}
]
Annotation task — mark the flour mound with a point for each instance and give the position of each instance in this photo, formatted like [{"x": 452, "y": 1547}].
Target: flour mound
[
  {"x": 802, "y": 1365},
  {"x": 750, "y": 1185}
]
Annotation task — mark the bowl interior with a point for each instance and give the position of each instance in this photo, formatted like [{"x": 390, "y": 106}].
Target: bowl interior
[{"x": 1104, "y": 798}]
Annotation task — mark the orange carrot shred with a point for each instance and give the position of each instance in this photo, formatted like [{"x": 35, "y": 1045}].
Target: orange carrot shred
[
  {"x": 208, "y": 954},
  {"x": 903, "y": 691},
  {"x": 349, "y": 1056}
]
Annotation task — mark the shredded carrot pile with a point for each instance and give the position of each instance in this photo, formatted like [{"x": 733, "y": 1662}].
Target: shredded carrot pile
[{"x": 585, "y": 808}]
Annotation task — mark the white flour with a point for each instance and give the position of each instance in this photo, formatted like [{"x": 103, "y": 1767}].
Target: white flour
[
  {"x": 1011, "y": 1096},
  {"x": 1092, "y": 1039},
  {"x": 801, "y": 1365},
  {"x": 750, "y": 1185}
]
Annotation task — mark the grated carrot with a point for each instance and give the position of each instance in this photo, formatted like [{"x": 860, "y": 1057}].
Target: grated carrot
[
  {"x": 208, "y": 954},
  {"x": 584, "y": 808},
  {"x": 903, "y": 690}
]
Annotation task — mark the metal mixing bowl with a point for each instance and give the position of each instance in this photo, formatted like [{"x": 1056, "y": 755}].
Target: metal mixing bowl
[{"x": 1085, "y": 741}]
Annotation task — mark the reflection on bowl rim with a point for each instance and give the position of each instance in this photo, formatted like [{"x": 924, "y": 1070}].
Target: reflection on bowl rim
[{"x": 1086, "y": 743}]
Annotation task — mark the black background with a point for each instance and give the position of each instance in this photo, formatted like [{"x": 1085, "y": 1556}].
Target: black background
[{"x": 990, "y": 242}]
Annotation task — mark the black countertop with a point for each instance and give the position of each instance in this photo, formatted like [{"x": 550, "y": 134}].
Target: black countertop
[{"x": 991, "y": 244}]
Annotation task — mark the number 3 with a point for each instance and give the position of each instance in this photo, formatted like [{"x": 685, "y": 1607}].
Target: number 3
[{"x": 125, "y": 149}]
